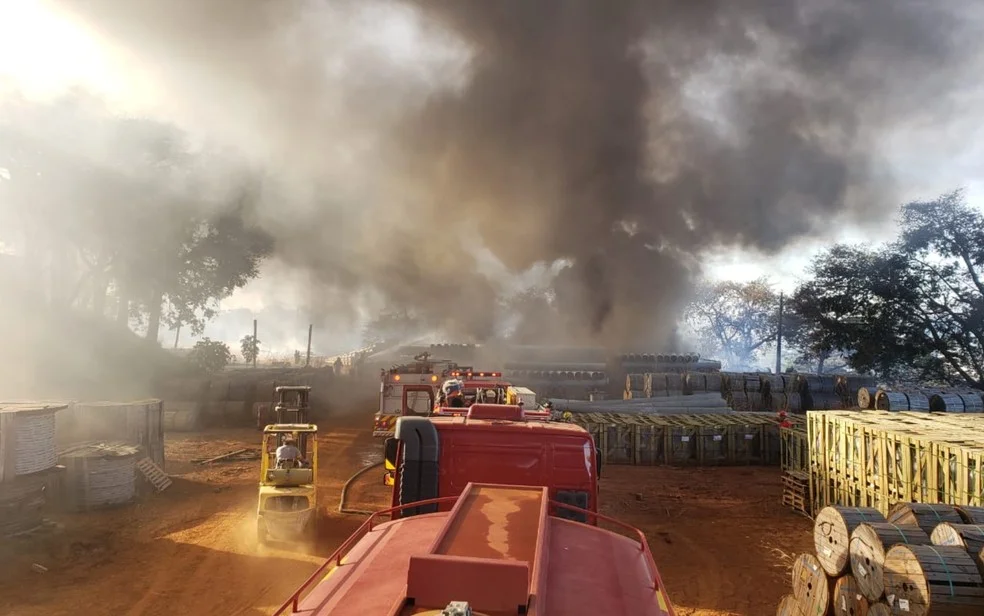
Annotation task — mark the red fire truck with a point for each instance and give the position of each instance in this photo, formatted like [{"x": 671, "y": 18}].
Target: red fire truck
[
  {"x": 492, "y": 515},
  {"x": 410, "y": 388}
]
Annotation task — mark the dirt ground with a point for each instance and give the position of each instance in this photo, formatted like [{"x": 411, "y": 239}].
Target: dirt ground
[{"x": 722, "y": 541}]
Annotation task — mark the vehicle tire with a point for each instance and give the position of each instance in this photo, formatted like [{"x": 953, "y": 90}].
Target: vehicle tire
[{"x": 261, "y": 533}]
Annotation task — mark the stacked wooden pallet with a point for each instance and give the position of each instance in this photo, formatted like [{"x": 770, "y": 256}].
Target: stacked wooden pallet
[
  {"x": 684, "y": 440},
  {"x": 923, "y": 560},
  {"x": 796, "y": 491},
  {"x": 878, "y": 458}
]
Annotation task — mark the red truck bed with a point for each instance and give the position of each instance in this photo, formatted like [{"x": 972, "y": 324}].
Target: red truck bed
[{"x": 497, "y": 549}]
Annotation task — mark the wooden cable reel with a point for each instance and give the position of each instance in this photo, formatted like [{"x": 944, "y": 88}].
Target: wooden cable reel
[
  {"x": 870, "y": 542},
  {"x": 832, "y": 534},
  {"x": 970, "y": 515},
  {"x": 970, "y": 537},
  {"x": 879, "y": 609},
  {"x": 788, "y": 606},
  {"x": 866, "y": 397},
  {"x": 811, "y": 588},
  {"x": 925, "y": 516},
  {"x": 847, "y": 598},
  {"x": 928, "y": 580}
]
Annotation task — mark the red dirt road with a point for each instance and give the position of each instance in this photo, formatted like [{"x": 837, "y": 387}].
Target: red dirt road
[
  {"x": 723, "y": 542},
  {"x": 721, "y": 539}
]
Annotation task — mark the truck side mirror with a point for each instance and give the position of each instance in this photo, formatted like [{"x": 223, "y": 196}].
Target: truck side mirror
[{"x": 389, "y": 453}]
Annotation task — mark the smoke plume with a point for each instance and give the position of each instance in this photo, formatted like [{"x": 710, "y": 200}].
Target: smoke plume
[{"x": 625, "y": 138}]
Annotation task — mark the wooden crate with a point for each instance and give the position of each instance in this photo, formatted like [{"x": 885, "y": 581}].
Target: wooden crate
[
  {"x": 877, "y": 458},
  {"x": 684, "y": 440}
]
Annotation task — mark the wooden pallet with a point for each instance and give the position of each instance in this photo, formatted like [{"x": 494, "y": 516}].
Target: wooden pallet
[
  {"x": 796, "y": 491},
  {"x": 154, "y": 474}
]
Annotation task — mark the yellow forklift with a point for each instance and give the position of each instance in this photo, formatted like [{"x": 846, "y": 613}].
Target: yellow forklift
[{"x": 288, "y": 501}]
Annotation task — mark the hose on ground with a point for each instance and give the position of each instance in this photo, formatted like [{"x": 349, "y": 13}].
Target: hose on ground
[{"x": 341, "y": 503}]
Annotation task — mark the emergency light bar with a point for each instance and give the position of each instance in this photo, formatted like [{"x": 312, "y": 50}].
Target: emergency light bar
[
  {"x": 433, "y": 378},
  {"x": 474, "y": 374}
]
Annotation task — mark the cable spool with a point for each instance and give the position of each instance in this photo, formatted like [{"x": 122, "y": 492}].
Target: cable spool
[
  {"x": 713, "y": 381},
  {"x": 879, "y": 609},
  {"x": 832, "y": 534},
  {"x": 34, "y": 440},
  {"x": 794, "y": 403},
  {"x": 946, "y": 403},
  {"x": 891, "y": 401},
  {"x": 971, "y": 515},
  {"x": 811, "y": 586},
  {"x": 846, "y": 599},
  {"x": 930, "y": 579},
  {"x": 788, "y": 606},
  {"x": 870, "y": 541},
  {"x": 100, "y": 475},
  {"x": 924, "y": 515},
  {"x": 779, "y": 402},
  {"x": 972, "y": 403},
  {"x": 866, "y": 397},
  {"x": 918, "y": 401},
  {"x": 967, "y": 536},
  {"x": 21, "y": 503}
]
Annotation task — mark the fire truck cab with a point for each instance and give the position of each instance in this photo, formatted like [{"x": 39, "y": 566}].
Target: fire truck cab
[{"x": 436, "y": 457}]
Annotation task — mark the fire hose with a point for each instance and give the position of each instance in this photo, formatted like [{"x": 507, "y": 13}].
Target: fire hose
[{"x": 351, "y": 480}]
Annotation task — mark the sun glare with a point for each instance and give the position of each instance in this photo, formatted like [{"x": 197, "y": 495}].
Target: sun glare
[{"x": 44, "y": 53}]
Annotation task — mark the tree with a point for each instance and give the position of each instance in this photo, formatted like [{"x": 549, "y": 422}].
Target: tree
[
  {"x": 913, "y": 310},
  {"x": 123, "y": 207},
  {"x": 210, "y": 356},
  {"x": 735, "y": 319},
  {"x": 250, "y": 348}
]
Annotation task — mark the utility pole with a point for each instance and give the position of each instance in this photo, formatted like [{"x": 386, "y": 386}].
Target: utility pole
[
  {"x": 256, "y": 350},
  {"x": 307, "y": 362},
  {"x": 779, "y": 338}
]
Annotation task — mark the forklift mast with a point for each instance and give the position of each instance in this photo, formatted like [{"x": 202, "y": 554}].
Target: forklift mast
[{"x": 293, "y": 404}]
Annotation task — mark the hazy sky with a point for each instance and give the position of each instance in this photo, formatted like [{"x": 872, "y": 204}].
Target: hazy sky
[{"x": 46, "y": 54}]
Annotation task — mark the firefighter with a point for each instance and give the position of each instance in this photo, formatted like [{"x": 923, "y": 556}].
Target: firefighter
[
  {"x": 453, "y": 395},
  {"x": 784, "y": 420}
]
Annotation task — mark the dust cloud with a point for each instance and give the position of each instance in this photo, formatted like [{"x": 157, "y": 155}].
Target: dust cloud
[{"x": 406, "y": 141}]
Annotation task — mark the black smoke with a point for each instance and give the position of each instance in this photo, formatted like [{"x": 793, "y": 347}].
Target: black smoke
[{"x": 630, "y": 139}]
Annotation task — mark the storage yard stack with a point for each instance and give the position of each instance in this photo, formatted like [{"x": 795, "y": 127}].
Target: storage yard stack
[
  {"x": 878, "y": 458},
  {"x": 866, "y": 563},
  {"x": 684, "y": 440},
  {"x": 919, "y": 399},
  {"x": 28, "y": 460}
]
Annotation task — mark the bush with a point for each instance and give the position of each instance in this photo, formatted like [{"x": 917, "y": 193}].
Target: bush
[{"x": 210, "y": 356}]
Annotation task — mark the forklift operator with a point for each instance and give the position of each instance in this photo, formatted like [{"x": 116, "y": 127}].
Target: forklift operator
[{"x": 288, "y": 455}]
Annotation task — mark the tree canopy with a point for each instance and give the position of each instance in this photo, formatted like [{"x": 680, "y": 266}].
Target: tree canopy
[
  {"x": 735, "y": 320},
  {"x": 913, "y": 309},
  {"x": 110, "y": 207}
]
